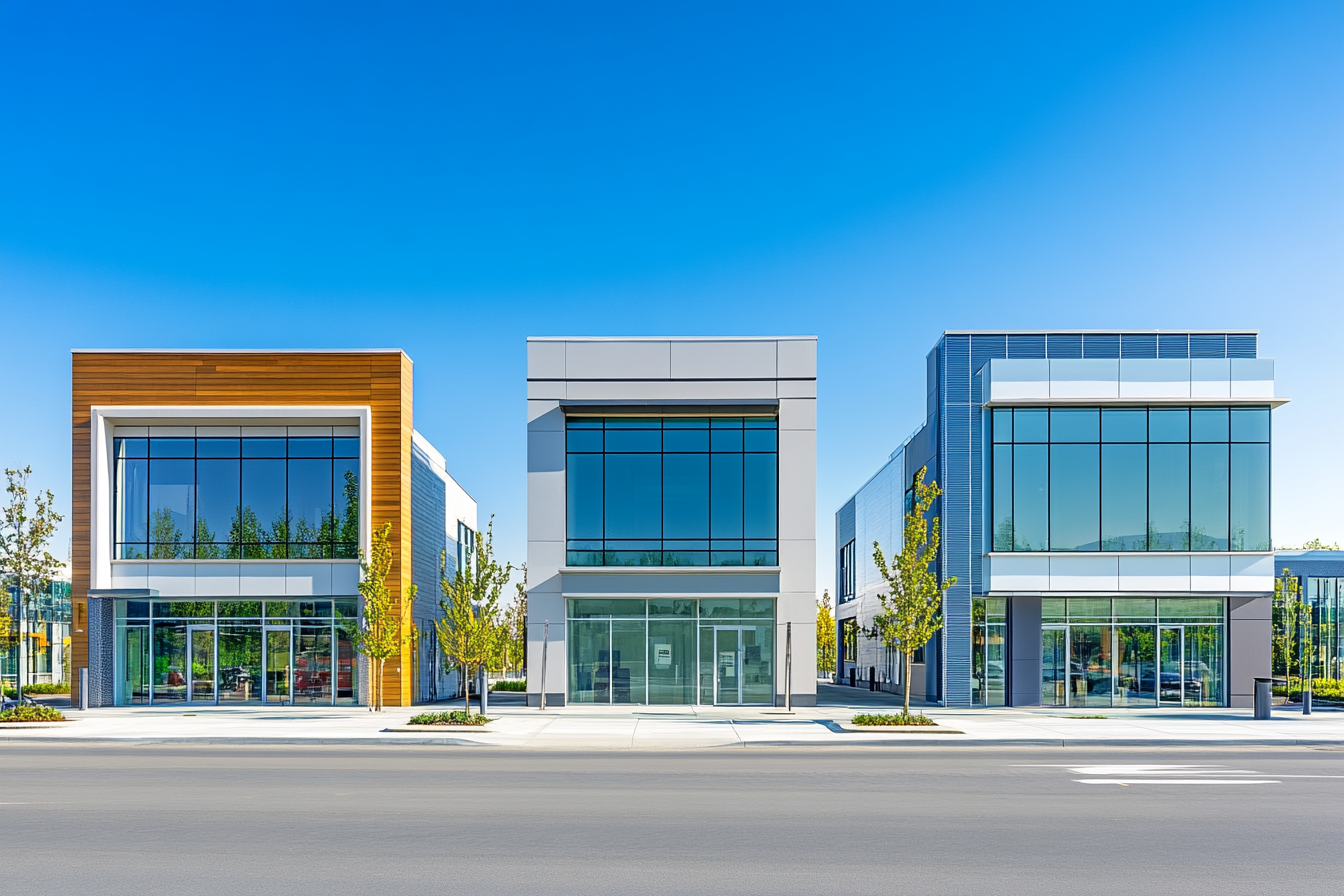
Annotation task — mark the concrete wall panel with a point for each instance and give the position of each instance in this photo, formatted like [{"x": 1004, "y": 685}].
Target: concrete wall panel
[
  {"x": 723, "y": 360},
  {"x": 618, "y": 360}
]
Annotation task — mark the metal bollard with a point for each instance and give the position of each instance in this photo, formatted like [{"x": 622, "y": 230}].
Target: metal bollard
[
  {"x": 1263, "y": 698},
  {"x": 83, "y": 687},
  {"x": 872, "y": 678},
  {"x": 1306, "y": 700},
  {"x": 851, "y": 676}
]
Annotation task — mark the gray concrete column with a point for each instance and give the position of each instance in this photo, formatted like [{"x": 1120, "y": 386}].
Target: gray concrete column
[
  {"x": 1249, "y": 637},
  {"x": 1024, "y": 651}
]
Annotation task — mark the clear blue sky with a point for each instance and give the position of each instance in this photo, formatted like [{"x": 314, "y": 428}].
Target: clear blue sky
[{"x": 450, "y": 178}]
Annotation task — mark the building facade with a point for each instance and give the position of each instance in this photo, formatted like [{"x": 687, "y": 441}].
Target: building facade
[
  {"x": 221, "y": 503},
  {"x": 671, "y": 520},
  {"x": 1308, "y": 641},
  {"x": 1105, "y": 513}
]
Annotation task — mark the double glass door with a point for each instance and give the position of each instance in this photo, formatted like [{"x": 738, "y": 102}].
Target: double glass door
[
  {"x": 200, "y": 679},
  {"x": 742, "y": 668},
  {"x": 201, "y": 663},
  {"x": 1131, "y": 665}
]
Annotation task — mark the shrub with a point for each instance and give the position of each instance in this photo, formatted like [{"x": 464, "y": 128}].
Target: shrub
[
  {"x": 61, "y": 688},
  {"x": 509, "y": 686},
  {"x": 889, "y": 720},
  {"x": 32, "y": 714},
  {"x": 455, "y": 717}
]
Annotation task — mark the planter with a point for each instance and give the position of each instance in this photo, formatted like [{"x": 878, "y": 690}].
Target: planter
[
  {"x": 904, "y": 729},
  {"x": 421, "y": 728}
]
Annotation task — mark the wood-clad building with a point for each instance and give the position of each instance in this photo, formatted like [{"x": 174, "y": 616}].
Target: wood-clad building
[{"x": 198, "y": 502}]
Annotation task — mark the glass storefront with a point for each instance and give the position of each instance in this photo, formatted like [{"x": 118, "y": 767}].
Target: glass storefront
[
  {"x": 235, "y": 652},
  {"x": 989, "y": 632},
  {"x": 1308, "y": 640},
  {"x": 671, "y": 651},
  {"x": 1099, "y": 652}
]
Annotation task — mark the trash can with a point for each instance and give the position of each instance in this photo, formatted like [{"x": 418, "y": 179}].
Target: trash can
[{"x": 1263, "y": 697}]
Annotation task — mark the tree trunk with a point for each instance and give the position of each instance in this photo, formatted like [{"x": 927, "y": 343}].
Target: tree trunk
[
  {"x": 466, "y": 686},
  {"x": 378, "y": 699},
  {"x": 909, "y": 670}
]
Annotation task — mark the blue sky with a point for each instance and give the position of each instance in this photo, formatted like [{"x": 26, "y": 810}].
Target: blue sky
[{"x": 450, "y": 178}]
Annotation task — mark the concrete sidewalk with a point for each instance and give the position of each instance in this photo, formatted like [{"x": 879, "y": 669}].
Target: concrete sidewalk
[{"x": 687, "y": 727}]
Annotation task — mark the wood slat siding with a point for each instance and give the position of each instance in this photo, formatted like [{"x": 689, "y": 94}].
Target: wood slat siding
[{"x": 381, "y": 380}]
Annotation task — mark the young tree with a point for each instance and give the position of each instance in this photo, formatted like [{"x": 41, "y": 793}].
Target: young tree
[
  {"x": 470, "y": 632},
  {"x": 515, "y": 622},
  {"x": 825, "y": 633},
  {"x": 911, "y": 610},
  {"x": 378, "y": 634},
  {"x": 25, "y": 534}
]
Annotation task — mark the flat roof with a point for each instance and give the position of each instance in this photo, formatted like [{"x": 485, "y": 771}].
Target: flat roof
[
  {"x": 237, "y": 351},
  {"x": 669, "y": 338},
  {"x": 1099, "y": 332}
]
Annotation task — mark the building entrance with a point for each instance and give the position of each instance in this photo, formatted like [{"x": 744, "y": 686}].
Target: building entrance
[{"x": 201, "y": 664}]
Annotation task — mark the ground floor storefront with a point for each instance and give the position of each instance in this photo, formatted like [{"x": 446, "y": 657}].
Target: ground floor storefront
[
  {"x": 1108, "y": 652},
  {"x": 709, "y": 651},
  {"x": 234, "y": 652}
]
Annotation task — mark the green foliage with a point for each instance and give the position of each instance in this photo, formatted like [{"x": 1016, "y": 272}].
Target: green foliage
[
  {"x": 514, "y": 654},
  {"x": 515, "y": 685},
  {"x": 470, "y": 632},
  {"x": 904, "y": 719},
  {"x": 1327, "y": 689},
  {"x": 453, "y": 717},
  {"x": 58, "y": 688},
  {"x": 912, "y": 607},
  {"x": 25, "y": 535},
  {"x": 26, "y": 713},
  {"x": 825, "y": 634},
  {"x": 379, "y": 634}
]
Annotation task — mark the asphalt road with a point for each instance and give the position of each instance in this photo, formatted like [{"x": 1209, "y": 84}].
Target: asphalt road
[{"x": 159, "y": 819}]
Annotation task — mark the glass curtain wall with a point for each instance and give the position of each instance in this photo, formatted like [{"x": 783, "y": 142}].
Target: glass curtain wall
[
  {"x": 235, "y": 652},
  {"x": 1308, "y": 641},
  {"x": 671, "y": 651},
  {"x": 672, "y": 491},
  {"x": 1133, "y": 652},
  {"x": 1130, "y": 479},
  {"x": 236, "y": 498},
  {"x": 989, "y": 633}
]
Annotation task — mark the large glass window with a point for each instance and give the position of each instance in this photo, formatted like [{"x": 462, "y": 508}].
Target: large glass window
[
  {"x": 236, "y": 498},
  {"x": 672, "y": 491},
  {"x": 1129, "y": 479}
]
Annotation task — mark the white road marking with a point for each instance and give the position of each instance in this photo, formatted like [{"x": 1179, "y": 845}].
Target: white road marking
[{"x": 1128, "y": 781}]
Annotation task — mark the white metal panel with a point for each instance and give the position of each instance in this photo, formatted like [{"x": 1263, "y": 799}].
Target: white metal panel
[
  {"x": 797, "y": 484},
  {"x": 261, "y": 579},
  {"x": 1209, "y": 573},
  {"x": 1019, "y": 572},
  {"x": 309, "y": 430},
  {"x": 304, "y": 579},
  {"x": 1155, "y": 572},
  {"x": 1252, "y": 572},
  {"x": 546, "y": 360},
  {"x": 615, "y": 360},
  {"x": 545, "y": 390},
  {"x": 798, "y": 413},
  {"x": 723, "y": 360},
  {"x": 797, "y": 358},
  {"x": 1084, "y": 378},
  {"x": 216, "y": 579},
  {"x": 544, "y": 415},
  {"x": 172, "y": 578},
  {"x": 172, "y": 431},
  {"x": 229, "y": 432},
  {"x": 797, "y": 388},
  {"x": 130, "y": 575},
  {"x": 1252, "y": 378},
  {"x": 1210, "y": 378},
  {"x": 737, "y": 390},
  {"x": 1019, "y": 379},
  {"x": 1084, "y": 573},
  {"x": 131, "y": 432},
  {"x": 344, "y": 579}
]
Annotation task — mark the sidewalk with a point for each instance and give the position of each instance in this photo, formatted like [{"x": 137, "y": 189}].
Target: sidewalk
[{"x": 689, "y": 727}]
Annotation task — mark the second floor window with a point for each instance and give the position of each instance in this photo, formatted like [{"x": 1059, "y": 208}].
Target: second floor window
[
  {"x": 672, "y": 491},
  {"x": 847, "y": 572},
  {"x": 230, "y": 499}
]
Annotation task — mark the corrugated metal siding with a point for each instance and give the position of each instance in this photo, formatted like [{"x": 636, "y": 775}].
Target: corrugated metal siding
[
  {"x": 956, "y": 513},
  {"x": 1208, "y": 345},
  {"x": 1064, "y": 345},
  {"x": 1173, "y": 345},
  {"x": 1242, "y": 346},
  {"x": 1142, "y": 345},
  {"x": 1026, "y": 345},
  {"x": 1101, "y": 345}
]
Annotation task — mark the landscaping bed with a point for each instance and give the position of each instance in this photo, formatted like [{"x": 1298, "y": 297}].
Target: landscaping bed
[
  {"x": 913, "y": 723},
  {"x": 456, "y": 718},
  {"x": 25, "y": 713}
]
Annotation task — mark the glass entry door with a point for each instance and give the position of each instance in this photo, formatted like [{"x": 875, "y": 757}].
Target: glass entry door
[
  {"x": 279, "y": 653},
  {"x": 727, "y": 665},
  {"x": 1170, "y": 659},
  {"x": 1054, "y": 666},
  {"x": 201, "y": 664}
]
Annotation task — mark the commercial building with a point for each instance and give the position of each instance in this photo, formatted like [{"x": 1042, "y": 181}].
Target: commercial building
[
  {"x": 40, "y": 652},
  {"x": 1308, "y": 641},
  {"x": 221, "y": 503},
  {"x": 1105, "y": 512},
  {"x": 671, "y": 520}
]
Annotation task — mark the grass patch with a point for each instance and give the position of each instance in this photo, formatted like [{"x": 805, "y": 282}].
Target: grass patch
[
  {"x": 902, "y": 719},
  {"x": 61, "y": 688},
  {"x": 509, "y": 686},
  {"x": 455, "y": 717},
  {"x": 32, "y": 714}
]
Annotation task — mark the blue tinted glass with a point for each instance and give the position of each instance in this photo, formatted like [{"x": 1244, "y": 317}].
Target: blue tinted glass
[
  {"x": 686, "y": 439},
  {"x": 1075, "y": 424},
  {"x": 218, "y": 447},
  {"x": 1003, "y": 424},
  {"x": 584, "y": 423},
  {"x": 310, "y": 447},
  {"x": 264, "y": 447},
  {"x": 685, "y": 423},
  {"x": 1030, "y": 492},
  {"x": 1208, "y": 497},
  {"x": 348, "y": 447},
  {"x": 310, "y": 496},
  {"x": 760, "y": 422},
  {"x": 1031, "y": 425},
  {"x": 1169, "y": 425},
  {"x": 726, "y": 440},
  {"x": 583, "y": 487},
  {"x": 131, "y": 448},
  {"x": 686, "y": 496},
  {"x": 584, "y": 440},
  {"x": 1003, "y": 497},
  {"x": 345, "y": 502},
  {"x": 760, "y": 440},
  {"x": 132, "y": 500},
  {"x": 1124, "y": 497},
  {"x": 634, "y": 423},
  {"x": 264, "y": 518},
  {"x": 759, "y": 478},
  {"x": 643, "y": 440},
  {"x": 172, "y": 507},
  {"x": 725, "y": 501},
  {"x": 1250, "y": 497},
  {"x": 1250, "y": 424},
  {"x": 1124, "y": 425},
  {"x": 172, "y": 447},
  {"x": 217, "y": 493},
  {"x": 725, "y": 423},
  {"x": 1208, "y": 425},
  {"x": 633, "y": 486},
  {"x": 1169, "y": 497},
  {"x": 1075, "y": 498}
]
